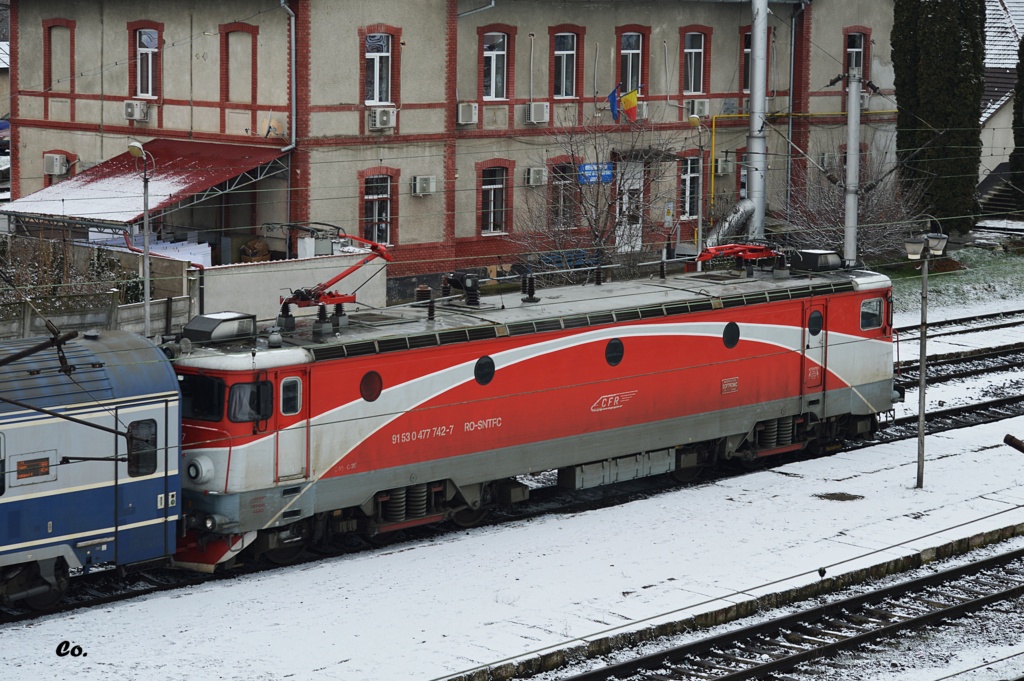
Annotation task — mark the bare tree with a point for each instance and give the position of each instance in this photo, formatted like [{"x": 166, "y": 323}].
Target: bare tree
[
  {"x": 887, "y": 210},
  {"x": 600, "y": 198}
]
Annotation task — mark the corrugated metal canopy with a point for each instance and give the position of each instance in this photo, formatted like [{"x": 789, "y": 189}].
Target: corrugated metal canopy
[{"x": 111, "y": 193}]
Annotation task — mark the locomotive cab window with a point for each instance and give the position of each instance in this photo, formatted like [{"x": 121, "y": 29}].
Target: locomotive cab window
[
  {"x": 251, "y": 402},
  {"x": 141, "y": 448},
  {"x": 871, "y": 314},
  {"x": 291, "y": 396},
  {"x": 202, "y": 397}
]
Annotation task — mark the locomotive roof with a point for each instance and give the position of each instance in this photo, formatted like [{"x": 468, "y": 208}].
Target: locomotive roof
[{"x": 372, "y": 331}]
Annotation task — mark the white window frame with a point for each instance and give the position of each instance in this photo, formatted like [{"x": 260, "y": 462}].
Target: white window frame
[
  {"x": 495, "y": 64},
  {"x": 377, "y": 208},
  {"x": 745, "y": 76},
  {"x": 855, "y": 52},
  {"x": 689, "y": 186},
  {"x": 146, "y": 63},
  {"x": 378, "y": 70},
  {"x": 693, "y": 67},
  {"x": 631, "y": 62},
  {"x": 563, "y": 202},
  {"x": 285, "y": 386},
  {"x": 493, "y": 211},
  {"x": 565, "y": 68}
]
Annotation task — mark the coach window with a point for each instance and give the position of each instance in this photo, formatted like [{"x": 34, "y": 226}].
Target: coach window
[
  {"x": 141, "y": 448},
  {"x": 251, "y": 402},
  {"x": 291, "y": 396},
  {"x": 202, "y": 397},
  {"x": 731, "y": 335},
  {"x": 871, "y": 314},
  {"x": 3, "y": 469}
]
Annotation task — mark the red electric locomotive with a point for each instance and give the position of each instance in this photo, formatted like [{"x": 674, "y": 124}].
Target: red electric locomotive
[{"x": 382, "y": 419}]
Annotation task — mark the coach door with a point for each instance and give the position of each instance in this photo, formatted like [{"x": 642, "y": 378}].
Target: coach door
[
  {"x": 292, "y": 425},
  {"x": 814, "y": 354}
]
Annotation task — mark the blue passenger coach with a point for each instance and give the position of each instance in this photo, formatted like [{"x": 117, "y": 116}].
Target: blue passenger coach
[{"x": 88, "y": 461}]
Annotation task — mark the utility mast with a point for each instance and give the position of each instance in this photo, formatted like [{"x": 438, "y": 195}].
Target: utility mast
[{"x": 757, "y": 145}]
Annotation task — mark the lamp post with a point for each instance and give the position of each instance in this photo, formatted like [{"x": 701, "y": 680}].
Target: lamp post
[
  {"x": 137, "y": 152},
  {"x": 923, "y": 248},
  {"x": 695, "y": 123}
]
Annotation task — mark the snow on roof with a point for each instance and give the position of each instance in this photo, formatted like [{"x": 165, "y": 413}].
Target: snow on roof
[
  {"x": 113, "y": 190},
  {"x": 1004, "y": 27}
]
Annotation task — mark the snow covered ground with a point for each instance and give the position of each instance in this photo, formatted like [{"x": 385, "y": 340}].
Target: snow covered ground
[{"x": 434, "y": 608}]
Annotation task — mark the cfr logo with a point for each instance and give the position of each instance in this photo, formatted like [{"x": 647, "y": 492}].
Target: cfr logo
[{"x": 614, "y": 401}]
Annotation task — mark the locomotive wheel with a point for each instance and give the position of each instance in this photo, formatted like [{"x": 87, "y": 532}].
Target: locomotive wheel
[
  {"x": 52, "y": 598},
  {"x": 468, "y": 517},
  {"x": 290, "y": 552}
]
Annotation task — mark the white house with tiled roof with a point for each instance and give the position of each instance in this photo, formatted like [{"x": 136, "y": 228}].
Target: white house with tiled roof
[{"x": 1004, "y": 28}]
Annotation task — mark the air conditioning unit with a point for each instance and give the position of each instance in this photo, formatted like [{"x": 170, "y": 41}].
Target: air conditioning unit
[
  {"x": 643, "y": 111},
  {"x": 538, "y": 112},
  {"x": 536, "y": 177},
  {"x": 423, "y": 185},
  {"x": 136, "y": 111},
  {"x": 381, "y": 118},
  {"x": 468, "y": 113},
  {"x": 724, "y": 165},
  {"x": 55, "y": 164},
  {"x": 697, "y": 107}
]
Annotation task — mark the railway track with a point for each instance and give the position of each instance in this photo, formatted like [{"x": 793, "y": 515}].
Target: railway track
[
  {"x": 107, "y": 587},
  {"x": 960, "y": 325},
  {"x": 781, "y": 645}
]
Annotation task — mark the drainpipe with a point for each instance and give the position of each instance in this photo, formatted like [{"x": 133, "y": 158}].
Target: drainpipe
[{"x": 291, "y": 66}]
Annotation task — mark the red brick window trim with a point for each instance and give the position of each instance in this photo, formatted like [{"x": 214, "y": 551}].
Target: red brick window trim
[
  {"x": 496, "y": 62},
  {"x": 495, "y": 180},
  {"x": 225, "y": 31},
  {"x": 48, "y": 26},
  {"x": 378, "y": 204},
  {"x": 565, "y": 61},
  {"x": 380, "y": 65},
  {"x": 145, "y": 62},
  {"x": 695, "y": 59},
  {"x": 746, "y": 47},
  {"x": 564, "y": 192},
  {"x": 856, "y": 48},
  {"x": 630, "y": 51}
]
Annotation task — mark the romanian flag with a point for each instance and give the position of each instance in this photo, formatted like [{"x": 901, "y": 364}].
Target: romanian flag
[
  {"x": 628, "y": 104},
  {"x": 613, "y": 101}
]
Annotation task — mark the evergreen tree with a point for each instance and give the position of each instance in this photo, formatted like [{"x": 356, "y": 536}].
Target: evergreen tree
[
  {"x": 905, "y": 59},
  {"x": 1017, "y": 155},
  {"x": 944, "y": 96}
]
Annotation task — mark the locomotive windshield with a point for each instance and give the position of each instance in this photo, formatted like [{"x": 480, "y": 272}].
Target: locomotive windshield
[
  {"x": 202, "y": 397},
  {"x": 251, "y": 402}
]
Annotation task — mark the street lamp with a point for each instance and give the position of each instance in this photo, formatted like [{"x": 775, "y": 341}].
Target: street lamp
[
  {"x": 923, "y": 248},
  {"x": 137, "y": 152},
  {"x": 695, "y": 123}
]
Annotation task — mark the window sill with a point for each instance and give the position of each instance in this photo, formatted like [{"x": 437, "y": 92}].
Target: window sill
[{"x": 487, "y": 234}]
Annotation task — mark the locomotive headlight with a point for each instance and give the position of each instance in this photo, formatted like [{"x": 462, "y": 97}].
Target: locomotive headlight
[
  {"x": 214, "y": 522},
  {"x": 200, "y": 470}
]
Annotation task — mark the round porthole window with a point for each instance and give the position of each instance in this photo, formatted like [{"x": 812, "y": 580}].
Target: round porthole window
[
  {"x": 731, "y": 335},
  {"x": 614, "y": 351},
  {"x": 370, "y": 386},
  {"x": 815, "y": 323},
  {"x": 484, "y": 370}
]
